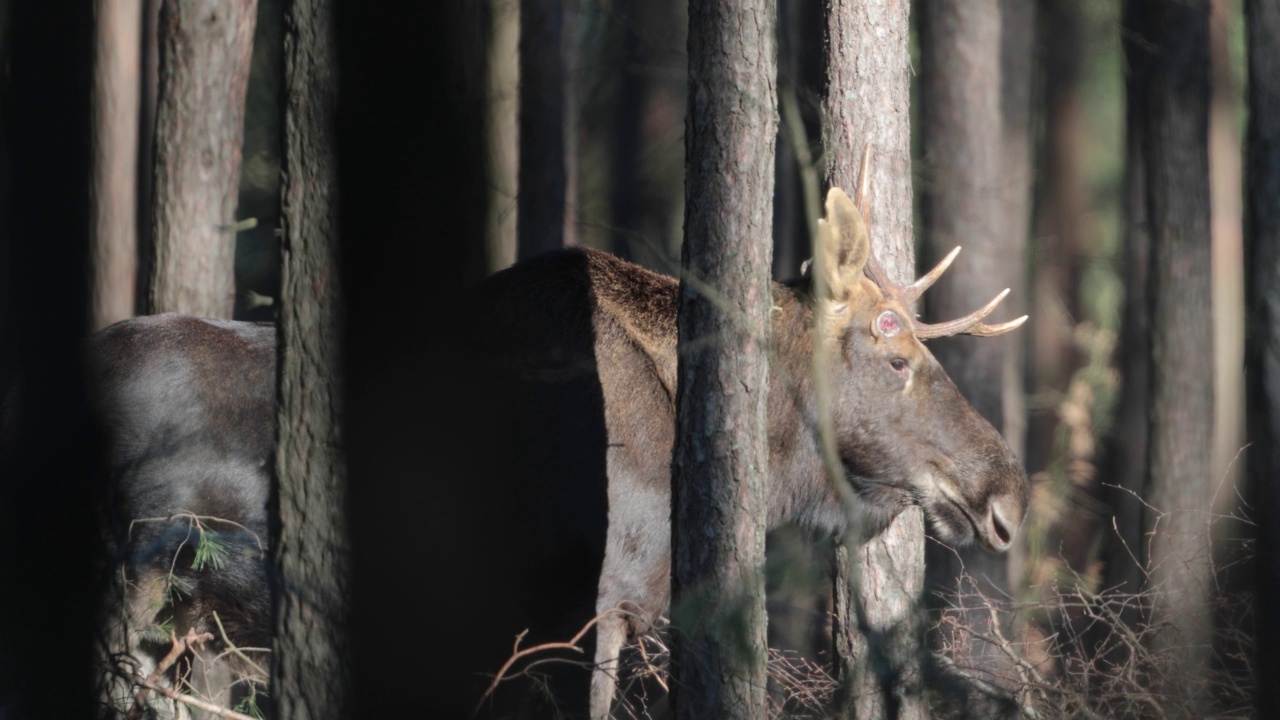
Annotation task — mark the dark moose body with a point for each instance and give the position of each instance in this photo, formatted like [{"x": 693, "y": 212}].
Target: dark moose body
[{"x": 567, "y": 371}]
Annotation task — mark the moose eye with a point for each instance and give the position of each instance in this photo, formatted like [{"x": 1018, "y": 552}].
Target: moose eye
[{"x": 899, "y": 365}]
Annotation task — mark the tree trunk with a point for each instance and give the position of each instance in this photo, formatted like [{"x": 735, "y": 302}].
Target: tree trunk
[
  {"x": 502, "y": 132},
  {"x": 309, "y": 678},
  {"x": 1176, "y": 100},
  {"x": 1263, "y": 356},
  {"x": 543, "y": 173},
  {"x": 720, "y": 459},
  {"x": 967, "y": 180},
  {"x": 117, "y": 85},
  {"x": 648, "y": 153},
  {"x": 868, "y": 101},
  {"x": 1063, "y": 222},
  {"x": 1126, "y": 451},
  {"x": 52, "y": 491},
  {"x": 205, "y": 48}
]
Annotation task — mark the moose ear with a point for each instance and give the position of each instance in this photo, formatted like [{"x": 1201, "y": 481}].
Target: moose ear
[{"x": 841, "y": 250}]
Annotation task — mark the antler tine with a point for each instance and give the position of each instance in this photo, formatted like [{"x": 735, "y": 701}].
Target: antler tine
[
  {"x": 861, "y": 198},
  {"x": 912, "y": 292},
  {"x": 864, "y": 185},
  {"x": 970, "y": 324}
]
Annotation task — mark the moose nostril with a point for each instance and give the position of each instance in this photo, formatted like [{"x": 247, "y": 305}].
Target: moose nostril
[{"x": 1001, "y": 532}]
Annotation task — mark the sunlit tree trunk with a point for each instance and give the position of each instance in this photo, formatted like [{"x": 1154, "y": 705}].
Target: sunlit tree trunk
[
  {"x": 720, "y": 460},
  {"x": 502, "y": 132},
  {"x": 310, "y": 656},
  {"x": 868, "y": 101},
  {"x": 117, "y": 84},
  {"x": 205, "y": 49}
]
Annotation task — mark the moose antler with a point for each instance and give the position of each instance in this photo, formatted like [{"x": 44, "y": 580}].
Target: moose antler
[{"x": 970, "y": 324}]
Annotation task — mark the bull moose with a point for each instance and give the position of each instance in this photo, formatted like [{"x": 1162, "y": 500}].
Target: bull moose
[{"x": 569, "y": 369}]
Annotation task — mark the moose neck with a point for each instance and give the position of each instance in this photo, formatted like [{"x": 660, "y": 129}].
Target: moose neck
[{"x": 799, "y": 491}]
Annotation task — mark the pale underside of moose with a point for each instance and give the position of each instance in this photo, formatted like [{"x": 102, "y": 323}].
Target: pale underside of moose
[{"x": 570, "y": 364}]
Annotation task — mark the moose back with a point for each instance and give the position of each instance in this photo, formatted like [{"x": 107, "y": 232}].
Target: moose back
[{"x": 564, "y": 430}]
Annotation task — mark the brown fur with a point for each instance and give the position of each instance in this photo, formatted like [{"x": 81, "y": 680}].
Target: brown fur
[{"x": 903, "y": 435}]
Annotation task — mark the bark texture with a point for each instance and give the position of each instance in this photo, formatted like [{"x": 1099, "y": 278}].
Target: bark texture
[
  {"x": 309, "y": 668},
  {"x": 1263, "y": 353},
  {"x": 721, "y": 458},
  {"x": 117, "y": 86},
  {"x": 868, "y": 101},
  {"x": 205, "y": 46},
  {"x": 1176, "y": 101}
]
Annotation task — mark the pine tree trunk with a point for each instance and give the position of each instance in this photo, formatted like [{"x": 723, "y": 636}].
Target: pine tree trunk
[
  {"x": 1176, "y": 102},
  {"x": 1126, "y": 451},
  {"x": 967, "y": 179},
  {"x": 1263, "y": 357},
  {"x": 205, "y": 48},
  {"x": 868, "y": 101},
  {"x": 117, "y": 85},
  {"x": 720, "y": 459},
  {"x": 309, "y": 670}
]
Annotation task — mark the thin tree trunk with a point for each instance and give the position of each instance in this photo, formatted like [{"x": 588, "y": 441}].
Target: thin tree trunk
[
  {"x": 502, "y": 132},
  {"x": 720, "y": 460},
  {"x": 117, "y": 85},
  {"x": 205, "y": 47},
  {"x": 868, "y": 101},
  {"x": 1017, "y": 79},
  {"x": 1126, "y": 451},
  {"x": 1176, "y": 102},
  {"x": 309, "y": 659},
  {"x": 1063, "y": 223},
  {"x": 1263, "y": 357}
]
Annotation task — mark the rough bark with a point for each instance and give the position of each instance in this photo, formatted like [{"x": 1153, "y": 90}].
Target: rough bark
[
  {"x": 868, "y": 101},
  {"x": 309, "y": 659},
  {"x": 1263, "y": 352},
  {"x": 51, "y": 489},
  {"x": 543, "y": 174},
  {"x": 205, "y": 47},
  {"x": 720, "y": 459},
  {"x": 1175, "y": 100},
  {"x": 117, "y": 85}
]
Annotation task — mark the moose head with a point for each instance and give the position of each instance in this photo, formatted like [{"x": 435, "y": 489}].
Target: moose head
[{"x": 902, "y": 431}]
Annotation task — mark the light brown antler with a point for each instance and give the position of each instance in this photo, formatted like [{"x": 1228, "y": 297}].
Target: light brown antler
[{"x": 970, "y": 324}]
